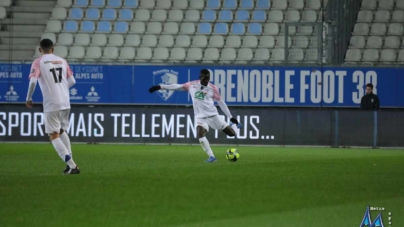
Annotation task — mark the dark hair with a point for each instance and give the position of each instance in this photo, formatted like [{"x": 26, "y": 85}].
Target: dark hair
[
  {"x": 370, "y": 85},
  {"x": 46, "y": 44},
  {"x": 205, "y": 71}
]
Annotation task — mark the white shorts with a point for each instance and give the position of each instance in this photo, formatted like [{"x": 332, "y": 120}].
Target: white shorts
[
  {"x": 216, "y": 122},
  {"x": 56, "y": 120}
]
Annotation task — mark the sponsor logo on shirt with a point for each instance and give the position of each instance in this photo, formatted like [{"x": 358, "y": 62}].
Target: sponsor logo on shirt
[
  {"x": 92, "y": 96},
  {"x": 11, "y": 95},
  {"x": 165, "y": 76},
  {"x": 200, "y": 95}
]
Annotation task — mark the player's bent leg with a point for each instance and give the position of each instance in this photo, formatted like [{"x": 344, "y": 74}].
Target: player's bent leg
[
  {"x": 201, "y": 131},
  {"x": 66, "y": 141},
  {"x": 229, "y": 131}
]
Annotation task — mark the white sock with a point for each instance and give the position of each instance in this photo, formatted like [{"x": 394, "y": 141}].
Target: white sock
[
  {"x": 206, "y": 146},
  {"x": 63, "y": 153},
  {"x": 66, "y": 141},
  {"x": 234, "y": 127}
]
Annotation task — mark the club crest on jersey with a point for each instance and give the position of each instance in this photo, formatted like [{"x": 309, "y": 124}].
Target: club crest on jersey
[
  {"x": 200, "y": 95},
  {"x": 165, "y": 76}
]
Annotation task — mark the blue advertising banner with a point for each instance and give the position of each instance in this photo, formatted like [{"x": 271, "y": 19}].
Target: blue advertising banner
[{"x": 239, "y": 86}]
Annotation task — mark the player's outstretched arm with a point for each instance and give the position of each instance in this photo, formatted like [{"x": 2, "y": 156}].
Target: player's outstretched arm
[
  {"x": 226, "y": 111},
  {"x": 173, "y": 87},
  {"x": 31, "y": 88}
]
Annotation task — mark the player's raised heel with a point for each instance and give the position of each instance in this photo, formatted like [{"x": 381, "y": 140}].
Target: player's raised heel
[
  {"x": 211, "y": 159},
  {"x": 71, "y": 171}
]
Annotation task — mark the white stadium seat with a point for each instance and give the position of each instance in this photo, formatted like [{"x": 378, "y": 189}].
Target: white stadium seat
[
  {"x": 182, "y": 41},
  {"x": 271, "y": 29},
  {"x": 132, "y": 40},
  {"x": 163, "y": 4},
  {"x": 401, "y": 56},
  {"x": 147, "y": 4},
  {"x": 278, "y": 55},
  {"x": 292, "y": 16},
  {"x": 250, "y": 41},
  {"x": 261, "y": 56},
  {"x": 99, "y": 40},
  {"x": 127, "y": 54},
  {"x": 115, "y": 40},
  {"x": 82, "y": 39},
  {"x": 357, "y": 42},
  {"x": 196, "y": 4},
  {"x": 63, "y": 3},
  {"x": 142, "y": 15},
  {"x": 175, "y": 15},
  {"x": 296, "y": 4},
  {"x": 60, "y": 51},
  {"x": 400, "y": 4},
  {"x": 143, "y": 54},
  {"x": 233, "y": 41},
  {"x": 228, "y": 54},
  {"x": 301, "y": 41},
  {"x": 388, "y": 55},
  {"x": 279, "y": 4},
  {"x": 386, "y": 4},
  {"x": 311, "y": 56},
  {"x": 187, "y": 28},
  {"x": 374, "y": 42},
  {"x": 159, "y": 15},
  {"x": 177, "y": 54},
  {"x": 353, "y": 55},
  {"x": 309, "y": 16},
  {"x": 137, "y": 28},
  {"x": 166, "y": 41},
  {"x": 65, "y": 39},
  {"x": 192, "y": 15},
  {"x": 313, "y": 4},
  {"x": 54, "y": 26},
  {"x": 170, "y": 28},
  {"x": 382, "y": 16},
  {"x": 180, "y": 4},
  {"x": 59, "y": 14},
  {"x": 154, "y": 28},
  {"x": 160, "y": 54},
  {"x": 398, "y": 16},
  {"x": 378, "y": 29},
  {"x": 199, "y": 41},
  {"x": 149, "y": 41},
  {"x": 266, "y": 42},
  {"x": 369, "y": 4},
  {"x": 361, "y": 29},
  {"x": 275, "y": 15},
  {"x": 194, "y": 54},
  {"x": 76, "y": 52},
  {"x": 93, "y": 53},
  {"x": 396, "y": 29},
  {"x": 211, "y": 55},
  {"x": 370, "y": 55},
  {"x": 110, "y": 53},
  {"x": 280, "y": 41},
  {"x": 244, "y": 55},
  {"x": 365, "y": 16},
  {"x": 295, "y": 55},
  {"x": 392, "y": 42},
  {"x": 216, "y": 41}
]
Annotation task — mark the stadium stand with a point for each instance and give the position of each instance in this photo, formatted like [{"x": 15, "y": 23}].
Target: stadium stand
[
  {"x": 189, "y": 30},
  {"x": 378, "y": 33}
]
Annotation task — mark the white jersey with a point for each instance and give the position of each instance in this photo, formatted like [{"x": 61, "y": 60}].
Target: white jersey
[
  {"x": 52, "y": 73},
  {"x": 203, "y": 98}
]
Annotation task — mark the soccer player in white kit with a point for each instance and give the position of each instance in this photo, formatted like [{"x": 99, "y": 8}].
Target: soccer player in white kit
[
  {"x": 55, "y": 78},
  {"x": 204, "y": 94}
]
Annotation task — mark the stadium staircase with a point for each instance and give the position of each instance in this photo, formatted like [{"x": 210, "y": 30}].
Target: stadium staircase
[{"x": 22, "y": 26}]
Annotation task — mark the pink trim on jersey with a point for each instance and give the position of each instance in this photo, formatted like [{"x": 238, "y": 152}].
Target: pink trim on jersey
[
  {"x": 35, "y": 68},
  {"x": 216, "y": 94},
  {"x": 187, "y": 85},
  {"x": 69, "y": 71}
]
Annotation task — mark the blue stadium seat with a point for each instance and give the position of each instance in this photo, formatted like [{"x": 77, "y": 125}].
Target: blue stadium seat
[
  {"x": 263, "y": 4},
  {"x": 208, "y": 15},
  {"x": 121, "y": 27},
  {"x": 92, "y": 14},
  {"x": 81, "y": 3},
  {"x": 97, "y": 3},
  {"x": 255, "y": 28},
  {"x": 246, "y": 4},
  {"x": 130, "y": 3},
  {"x": 259, "y": 16},
  {"x": 230, "y": 4},
  {"x": 204, "y": 28},
  {"x": 237, "y": 28},
  {"x": 70, "y": 26},
  {"x": 114, "y": 3},
  {"x": 213, "y": 4},
  {"x": 221, "y": 28},
  {"x": 125, "y": 14},
  {"x": 243, "y": 15},
  {"x": 87, "y": 26},
  {"x": 108, "y": 14},
  {"x": 104, "y": 26},
  {"x": 225, "y": 15},
  {"x": 76, "y": 13}
]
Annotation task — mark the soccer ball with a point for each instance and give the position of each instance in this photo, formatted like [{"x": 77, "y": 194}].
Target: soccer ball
[{"x": 232, "y": 155}]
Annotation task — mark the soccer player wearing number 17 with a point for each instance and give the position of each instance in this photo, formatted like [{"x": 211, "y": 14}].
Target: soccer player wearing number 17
[
  {"x": 55, "y": 78},
  {"x": 203, "y": 96}
]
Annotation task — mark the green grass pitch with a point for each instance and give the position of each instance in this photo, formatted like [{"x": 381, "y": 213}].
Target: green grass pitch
[{"x": 158, "y": 186}]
